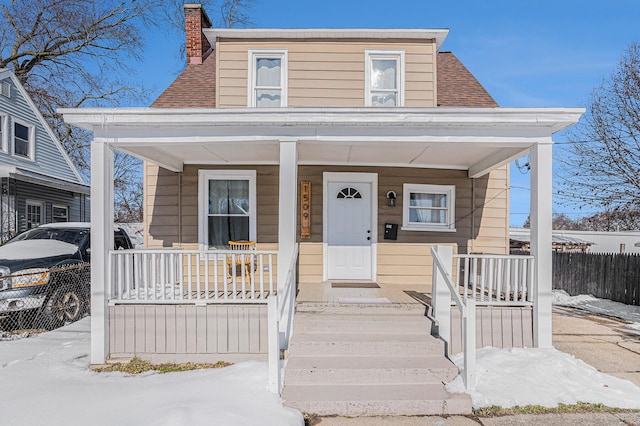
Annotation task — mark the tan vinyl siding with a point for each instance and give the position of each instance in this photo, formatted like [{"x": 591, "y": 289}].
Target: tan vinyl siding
[
  {"x": 325, "y": 73},
  {"x": 171, "y": 205},
  {"x": 173, "y": 221}
]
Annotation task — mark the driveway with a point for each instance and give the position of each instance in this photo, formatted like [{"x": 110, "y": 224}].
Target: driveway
[{"x": 600, "y": 341}]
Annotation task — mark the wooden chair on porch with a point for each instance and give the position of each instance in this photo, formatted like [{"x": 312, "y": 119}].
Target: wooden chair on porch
[{"x": 242, "y": 261}]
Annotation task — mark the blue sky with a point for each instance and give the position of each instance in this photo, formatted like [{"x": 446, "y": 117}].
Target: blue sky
[{"x": 526, "y": 54}]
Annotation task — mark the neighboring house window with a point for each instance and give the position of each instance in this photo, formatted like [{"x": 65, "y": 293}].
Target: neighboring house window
[
  {"x": 267, "y": 78},
  {"x": 34, "y": 214},
  {"x": 384, "y": 78},
  {"x": 428, "y": 207},
  {"x": 4, "y": 132},
  {"x": 227, "y": 205},
  {"x": 23, "y": 140},
  {"x": 59, "y": 213}
]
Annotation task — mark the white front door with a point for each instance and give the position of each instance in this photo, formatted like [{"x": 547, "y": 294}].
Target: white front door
[{"x": 349, "y": 230}]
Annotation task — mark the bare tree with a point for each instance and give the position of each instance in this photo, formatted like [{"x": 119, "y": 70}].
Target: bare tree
[
  {"x": 75, "y": 53},
  {"x": 230, "y": 13},
  {"x": 603, "y": 168}
]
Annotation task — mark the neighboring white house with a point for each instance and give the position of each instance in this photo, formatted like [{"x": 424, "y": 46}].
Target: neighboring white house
[{"x": 587, "y": 241}]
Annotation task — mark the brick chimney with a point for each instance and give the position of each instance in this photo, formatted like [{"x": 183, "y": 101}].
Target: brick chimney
[{"x": 196, "y": 20}]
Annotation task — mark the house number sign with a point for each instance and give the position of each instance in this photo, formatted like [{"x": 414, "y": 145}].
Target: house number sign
[{"x": 305, "y": 209}]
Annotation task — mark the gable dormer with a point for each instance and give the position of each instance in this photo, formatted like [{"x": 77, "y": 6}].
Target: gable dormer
[{"x": 325, "y": 67}]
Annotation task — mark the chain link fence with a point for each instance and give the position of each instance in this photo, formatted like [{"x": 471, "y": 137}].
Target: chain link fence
[{"x": 43, "y": 298}]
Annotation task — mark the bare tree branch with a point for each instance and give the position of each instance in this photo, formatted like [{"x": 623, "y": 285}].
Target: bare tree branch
[{"x": 603, "y": 165}]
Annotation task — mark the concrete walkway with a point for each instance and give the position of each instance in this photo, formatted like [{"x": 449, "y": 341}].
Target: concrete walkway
[{"x": 600, "y": 341}]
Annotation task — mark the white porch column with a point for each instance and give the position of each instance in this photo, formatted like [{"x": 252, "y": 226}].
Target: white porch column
[
  {"x": 101, "y": 243},
  {"x": 287, "y": 195},
  {"x": 541, "y": 226}
]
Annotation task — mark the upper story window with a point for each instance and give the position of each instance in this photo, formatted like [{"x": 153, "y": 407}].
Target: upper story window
[
  {"x": 384, "y": 74},
  {"x": 267, "y": 78},
  {"x": 23, "y": 140},
  {"x": 428, "y": 207},
  {"x": 227, "y": 207}
]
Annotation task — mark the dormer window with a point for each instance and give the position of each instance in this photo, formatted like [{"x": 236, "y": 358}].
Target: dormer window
[
  {"x": 384, "y": 74},
  {"x": 23, "y": 140},
  {"x": 267, "y": 78}
]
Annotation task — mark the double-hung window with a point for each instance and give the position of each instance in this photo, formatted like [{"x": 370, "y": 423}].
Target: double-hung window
[
  {"x": 227, "y": 205},
  {"x": 23, "y": 140},
  {"x": 59, "y": 213},
  {"x": 384, "y": 78},
  {"x": 267, "y": 78},
  {"x": 428, "y": 207}
]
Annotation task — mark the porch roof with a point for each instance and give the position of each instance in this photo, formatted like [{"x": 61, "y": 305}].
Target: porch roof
[{"x": 473, "y": 139}]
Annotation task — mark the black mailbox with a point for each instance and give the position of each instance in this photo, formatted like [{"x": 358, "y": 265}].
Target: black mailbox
[{"x": 390, "y": 231}]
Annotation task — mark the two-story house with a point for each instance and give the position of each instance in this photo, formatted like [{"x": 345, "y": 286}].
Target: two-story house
[
  {"x": 360, "y": 166},
  {"x": 39, "y": 183}
]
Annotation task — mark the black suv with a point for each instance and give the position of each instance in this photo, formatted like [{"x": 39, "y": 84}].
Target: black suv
[{"x": 45, "y": 275}]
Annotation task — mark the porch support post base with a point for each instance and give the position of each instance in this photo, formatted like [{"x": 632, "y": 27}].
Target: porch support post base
[{"x": 541, "y": 226}]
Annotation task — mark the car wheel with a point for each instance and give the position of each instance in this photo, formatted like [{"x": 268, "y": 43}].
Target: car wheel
[{"x": 64, "y": 305}]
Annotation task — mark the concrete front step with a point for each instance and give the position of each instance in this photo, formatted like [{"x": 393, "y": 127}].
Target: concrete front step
[
  {"x": 369, "y": 370},
  {"x": 324, "y": 309},
  {"x": 380, "y": 400},
  {"x": 351, "y": 344},
  {"x": 363, "y": 323}
]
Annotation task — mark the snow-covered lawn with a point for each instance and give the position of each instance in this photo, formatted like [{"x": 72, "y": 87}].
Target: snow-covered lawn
[
  {"x": 548, "y": 377},
  {"x": 45, "y": 380}
]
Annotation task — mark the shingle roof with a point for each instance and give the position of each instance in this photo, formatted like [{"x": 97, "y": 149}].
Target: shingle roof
[
  {"x": 194, "y": 88},
  {"x": 457, "y": 87}
]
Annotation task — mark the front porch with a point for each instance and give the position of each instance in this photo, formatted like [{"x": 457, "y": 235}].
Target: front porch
[{"x": 344, "y": 154}]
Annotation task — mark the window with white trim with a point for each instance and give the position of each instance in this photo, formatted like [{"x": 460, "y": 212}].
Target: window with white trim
[
  {"x": 428, "y": 207},
  {"x": 59, "y": 213},
  {"x": 35, "y": 210},
  {"x": 384, "y": 78},
  {"x": 23, "y": 139},
  {"x": 267, "y": 78},
  {"x": 4, "y": 132},
  {"x": 227, "y": 206}
]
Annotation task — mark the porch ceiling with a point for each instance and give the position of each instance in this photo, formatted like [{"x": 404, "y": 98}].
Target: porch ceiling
[{"x": 474, "y": 139}]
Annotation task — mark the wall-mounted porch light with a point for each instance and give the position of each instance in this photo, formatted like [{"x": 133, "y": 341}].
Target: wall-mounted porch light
[{"x": 391, "y": 198}]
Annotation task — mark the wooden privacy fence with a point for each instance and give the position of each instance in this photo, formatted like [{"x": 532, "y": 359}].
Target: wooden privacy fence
[{"x": 606, "y": 276}]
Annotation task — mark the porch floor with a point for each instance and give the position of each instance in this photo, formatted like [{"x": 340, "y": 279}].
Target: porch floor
[{"x": 400, "y": 295}]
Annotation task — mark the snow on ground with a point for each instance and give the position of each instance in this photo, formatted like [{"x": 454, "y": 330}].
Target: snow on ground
[
  {"x": 547, "y": 377},
  {"x": 592, "y": 304},
  {"x": 46, "y": 380}
]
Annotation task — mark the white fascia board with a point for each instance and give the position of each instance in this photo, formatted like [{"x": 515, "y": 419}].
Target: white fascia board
[
  {"x": 439, "y": 34},
  {"x": 550, "y": 120}
]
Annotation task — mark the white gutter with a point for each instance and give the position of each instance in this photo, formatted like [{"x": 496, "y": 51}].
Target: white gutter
[{"x": 553, "y": 119}]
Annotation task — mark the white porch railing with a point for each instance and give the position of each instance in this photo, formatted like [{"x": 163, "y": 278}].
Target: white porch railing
[
  {"x": 280, "y": 319},
  {"x": 487, "y": 280},
  {"x": 183, "y": 276},
  {"x": 495, "y": 279},
  {"x": 442, "y": 292}
]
